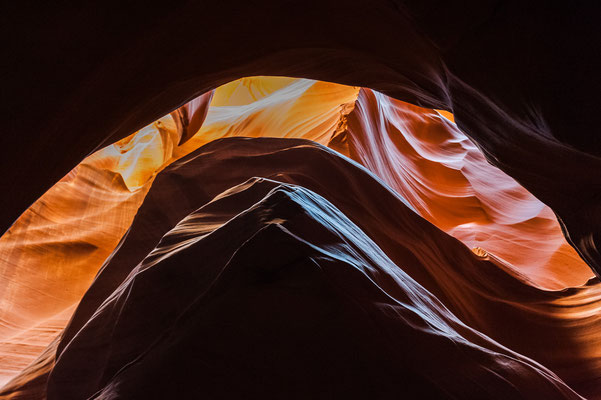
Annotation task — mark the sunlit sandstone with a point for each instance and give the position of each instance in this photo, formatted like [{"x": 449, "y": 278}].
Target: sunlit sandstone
[{"x": 52, "y": 253}]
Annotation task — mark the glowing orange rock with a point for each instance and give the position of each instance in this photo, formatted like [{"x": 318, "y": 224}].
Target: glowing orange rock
[
  {"x": 52, "y": 253},
  {"x": 445, "y": 177}
]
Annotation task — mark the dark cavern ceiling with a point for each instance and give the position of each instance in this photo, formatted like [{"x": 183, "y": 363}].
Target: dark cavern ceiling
[{"x": 301, "y": 199}]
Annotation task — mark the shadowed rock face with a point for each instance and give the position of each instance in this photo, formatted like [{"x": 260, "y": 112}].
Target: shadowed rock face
[
  {"x": 520, "y": 79},
  {"x": 274, "y": 291},
  {"x": 415, "y": 177},
  {"x": 339, "y": 260},
  {"x": 386, "y": 238},
  {"x": 51, "y": 254}
]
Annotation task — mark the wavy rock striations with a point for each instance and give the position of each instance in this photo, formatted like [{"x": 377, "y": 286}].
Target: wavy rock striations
[
  {"x": 355, "y": 251},
  {"x": 267, "y": 265},
  {"x": 52, "y": 253},
  {"x": 445, "y": 177},
  {"x": 520, "y": 78}
]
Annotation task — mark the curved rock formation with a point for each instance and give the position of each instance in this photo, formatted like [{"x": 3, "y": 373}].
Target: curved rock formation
[
  {"x": 267, "y": 265},
  {"x": 445, "y": 177},
  {"x": 521, "y": 80},
  {"x": 415, "y": 161},
  {"x": 77, "y": 223},
  {"x": 481, "y": 291}
]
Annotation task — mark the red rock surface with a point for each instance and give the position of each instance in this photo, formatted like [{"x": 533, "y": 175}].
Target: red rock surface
[
  {"x": 520, "y": 78},
  {"x": 417, "y": 167},
  {"x": 276, "y": 292}
]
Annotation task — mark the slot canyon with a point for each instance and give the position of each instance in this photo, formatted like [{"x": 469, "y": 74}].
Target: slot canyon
[{"x": 368, "y": 199}]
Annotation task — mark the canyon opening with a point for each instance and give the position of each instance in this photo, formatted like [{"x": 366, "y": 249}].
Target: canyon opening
[{"x": 277, "y": 214}]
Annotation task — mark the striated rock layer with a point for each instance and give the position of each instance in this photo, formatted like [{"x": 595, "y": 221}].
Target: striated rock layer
[
  {"x": 503, "y": 295},
  {"x": 52, "y": 253},
  {"x": 520, "y": 78},
  {"x": 273, "y": 290},
  {"x": 448, "y": 181}
]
